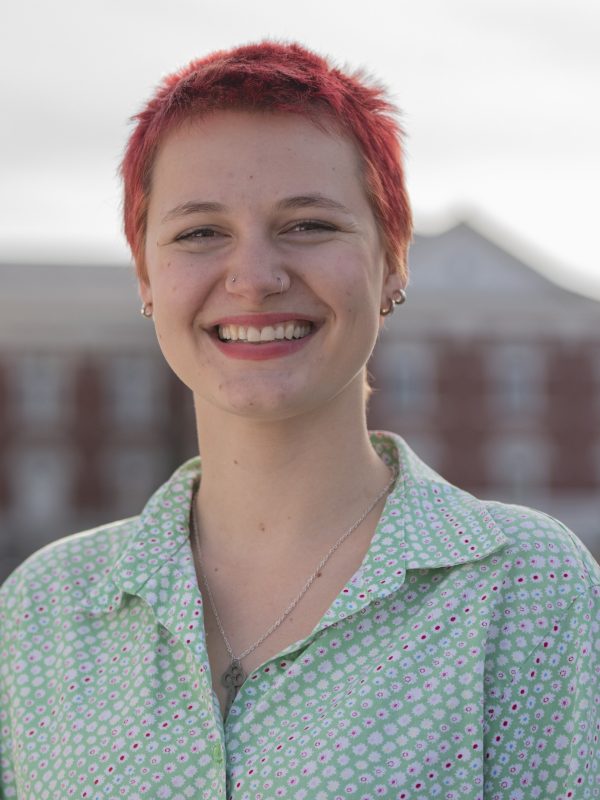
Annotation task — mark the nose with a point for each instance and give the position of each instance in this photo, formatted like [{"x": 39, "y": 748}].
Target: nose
[{"x": 255, "y": 271}]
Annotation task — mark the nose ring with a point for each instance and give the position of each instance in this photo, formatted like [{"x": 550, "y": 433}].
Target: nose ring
[{"x": 233, "y": 278}]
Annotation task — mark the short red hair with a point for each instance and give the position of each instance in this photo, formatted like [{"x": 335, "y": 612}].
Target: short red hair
[{"x": 272, "y": 76}]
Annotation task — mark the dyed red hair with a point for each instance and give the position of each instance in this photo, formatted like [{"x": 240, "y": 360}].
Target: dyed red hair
[{"x": 275, "y": 77}]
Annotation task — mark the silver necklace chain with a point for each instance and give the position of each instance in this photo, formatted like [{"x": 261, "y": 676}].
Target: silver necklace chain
[{"x": 235, "y": 660}]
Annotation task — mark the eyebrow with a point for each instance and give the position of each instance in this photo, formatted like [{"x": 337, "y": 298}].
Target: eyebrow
[
  {"x": 192, "y": 207},
  {"x": 298, "y": 201},
  {"x": 306, "y": 200}
]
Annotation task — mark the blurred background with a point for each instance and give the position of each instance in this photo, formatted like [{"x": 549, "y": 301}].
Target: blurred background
[{"x": 491, "y": 370}]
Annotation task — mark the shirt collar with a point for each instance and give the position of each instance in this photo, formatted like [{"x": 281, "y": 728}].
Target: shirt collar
[
  {"x": 426, "y": 523},
  {"x": 434, "y": 523},
  {"x": 156, "y": 540}
]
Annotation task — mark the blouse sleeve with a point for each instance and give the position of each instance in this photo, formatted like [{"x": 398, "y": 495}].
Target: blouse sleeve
[
  {"x": 7, "y": 779},
  {"x": 541, "y": 720}
]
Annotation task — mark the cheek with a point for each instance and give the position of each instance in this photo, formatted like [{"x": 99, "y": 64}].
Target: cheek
[
  {"x": 361, "y": 296},
  {"x": 352, "y": 275},
  {"x": 178, "y": 288}
]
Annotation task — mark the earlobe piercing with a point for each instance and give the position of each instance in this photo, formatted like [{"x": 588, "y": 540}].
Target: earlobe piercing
[
  {"x": 146, "y": 310},
  {"x": 398, "y": 297}
]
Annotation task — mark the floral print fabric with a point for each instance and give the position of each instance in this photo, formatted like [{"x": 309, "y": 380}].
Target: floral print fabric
[{"x": 460, "y": 661}]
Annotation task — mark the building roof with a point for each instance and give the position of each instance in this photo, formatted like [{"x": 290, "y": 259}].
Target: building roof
[{"x": 463, "y": 282}]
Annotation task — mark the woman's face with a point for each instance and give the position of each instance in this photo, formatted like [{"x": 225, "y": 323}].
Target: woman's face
[{"x": 259, "y": 228}]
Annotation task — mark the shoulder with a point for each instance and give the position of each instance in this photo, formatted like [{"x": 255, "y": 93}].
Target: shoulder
[
  {"x": 442, "y": 525},
  {"x": 79, "y": 571},
  {"x": 546, "y": 591},
  {"x": 66, "y": 569},
  {"x": 543, "y": 548}
]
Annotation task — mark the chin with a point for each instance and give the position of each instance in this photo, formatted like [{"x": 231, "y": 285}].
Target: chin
[
  {"x": 276, "y": 397},
  {"x": 265, "y": 401}
]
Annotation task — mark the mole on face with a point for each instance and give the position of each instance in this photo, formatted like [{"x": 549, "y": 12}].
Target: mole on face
[{"x": 261, "y": 526}]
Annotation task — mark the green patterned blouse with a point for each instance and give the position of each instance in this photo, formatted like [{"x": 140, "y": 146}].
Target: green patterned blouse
[{"x": 460, "y": 661}]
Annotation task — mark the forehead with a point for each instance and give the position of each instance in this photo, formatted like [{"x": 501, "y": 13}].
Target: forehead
[{"x": 227, "y": 150}]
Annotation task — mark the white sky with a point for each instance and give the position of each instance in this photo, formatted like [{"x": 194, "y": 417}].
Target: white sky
[{"x": 500, "y": 100}]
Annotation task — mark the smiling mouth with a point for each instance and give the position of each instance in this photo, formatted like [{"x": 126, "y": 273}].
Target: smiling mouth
[{"x": 293, "y": 329}]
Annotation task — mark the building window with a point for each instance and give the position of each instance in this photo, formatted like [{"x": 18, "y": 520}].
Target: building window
[
  {"x": 42, "y": 479},
  {"x": 135, "y": 391},
  {"x": 596, "y": 460},
  {"x": 42, "y": 389},
  {"x": 517, "y": 377},
  {"x": 518, "y": 463},
  {"x": 406, "y": 371},
  {"x": 131, "y": 474},
  {"x": 595, "y": 363}
]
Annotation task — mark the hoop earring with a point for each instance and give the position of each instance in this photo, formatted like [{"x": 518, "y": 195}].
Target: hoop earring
[
  {"x": 146, "y": 310},
  {"x": 397, "y": 299}
]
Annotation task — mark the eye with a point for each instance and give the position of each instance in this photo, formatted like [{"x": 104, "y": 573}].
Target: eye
[
  {"x": 198, "y": 234},
  {"x": 309, "y": 225}
]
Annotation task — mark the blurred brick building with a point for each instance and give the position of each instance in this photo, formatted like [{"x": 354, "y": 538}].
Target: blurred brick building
[
  {"x": 490, "y": 371},
  {"x": 91, "y": 418}
]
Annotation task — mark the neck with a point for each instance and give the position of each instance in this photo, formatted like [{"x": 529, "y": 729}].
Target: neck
[{"x": 276, "y": 484}]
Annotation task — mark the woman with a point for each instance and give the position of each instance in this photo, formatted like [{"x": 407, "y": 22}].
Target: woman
[{"x": 310, "y": 612}]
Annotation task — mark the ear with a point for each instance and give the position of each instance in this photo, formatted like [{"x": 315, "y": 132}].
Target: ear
[
  {"x": 144, "y": 289},
  {"x": 393, "y": 281}
]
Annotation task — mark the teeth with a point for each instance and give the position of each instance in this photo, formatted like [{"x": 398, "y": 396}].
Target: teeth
[{"x": 270, "y": 333}]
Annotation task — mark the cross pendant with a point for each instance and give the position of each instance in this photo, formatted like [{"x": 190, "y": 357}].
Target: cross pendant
[{"x": 232, "y": 679}]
